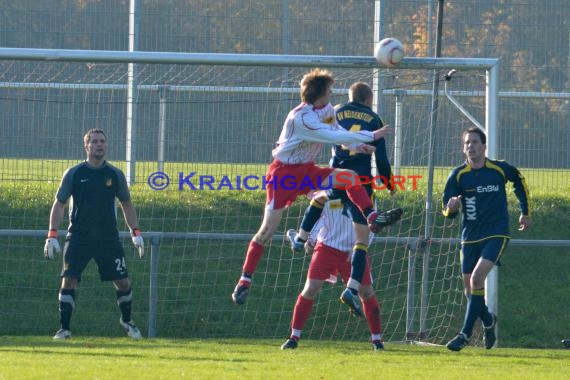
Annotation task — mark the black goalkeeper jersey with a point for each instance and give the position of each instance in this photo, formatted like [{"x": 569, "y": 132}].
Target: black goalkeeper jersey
[
  {"x": 484, "y": 198},
  {"x": 92, "y": 210}
]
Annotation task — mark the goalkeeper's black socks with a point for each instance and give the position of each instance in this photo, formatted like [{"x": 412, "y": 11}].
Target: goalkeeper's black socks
[
  {"x": 125, "y": 301},
  {"x": 66, "y": 306}
]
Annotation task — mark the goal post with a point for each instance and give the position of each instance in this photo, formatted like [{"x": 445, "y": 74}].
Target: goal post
[{"x": 219, "y": 115}]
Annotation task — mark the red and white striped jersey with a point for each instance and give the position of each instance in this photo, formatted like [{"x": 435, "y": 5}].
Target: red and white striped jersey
[
  {"x": 306, "y": 128},
  {"x": 334, "y": 228}
]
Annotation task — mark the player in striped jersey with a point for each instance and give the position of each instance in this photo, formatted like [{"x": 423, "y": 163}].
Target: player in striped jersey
[
  {"x": 334, "y": 237},
  {"x": 306, "y": 128},
  {"x": 354, "y": 116},
  {"x": 479, "y": 188}
]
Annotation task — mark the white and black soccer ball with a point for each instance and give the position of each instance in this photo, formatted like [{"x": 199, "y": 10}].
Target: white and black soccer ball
[{"x": 389, "y": 52}]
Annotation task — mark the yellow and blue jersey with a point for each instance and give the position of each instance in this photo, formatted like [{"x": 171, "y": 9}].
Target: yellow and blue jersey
[
  {"x": 484, "y": 198},
  {"x": 356, "y": 117}
]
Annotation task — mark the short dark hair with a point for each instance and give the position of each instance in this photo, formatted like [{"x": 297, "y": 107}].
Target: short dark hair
[
  {"x": 315, "y": 84},
  {"x": 88, "y": 134},
  {"x": 360, "y": 92},
  {"x": 476, "y": 130}
]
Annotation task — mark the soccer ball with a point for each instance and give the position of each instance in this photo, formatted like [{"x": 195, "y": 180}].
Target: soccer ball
[{"x": 389, "y": 52}]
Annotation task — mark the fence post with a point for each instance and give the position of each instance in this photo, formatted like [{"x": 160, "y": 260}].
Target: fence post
[
  {"x": 424, "y": 301},
  {"x": 153, "y": 286},
  {"x": 411, "y": 293},
  {"x": 162, "y": 97}
]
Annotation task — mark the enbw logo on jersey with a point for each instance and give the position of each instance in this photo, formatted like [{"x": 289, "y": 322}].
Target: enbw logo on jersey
[{"x": 488, "y": 189}]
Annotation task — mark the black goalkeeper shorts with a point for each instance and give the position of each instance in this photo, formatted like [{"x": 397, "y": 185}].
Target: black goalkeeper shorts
[{"x": 108, "y": 255}]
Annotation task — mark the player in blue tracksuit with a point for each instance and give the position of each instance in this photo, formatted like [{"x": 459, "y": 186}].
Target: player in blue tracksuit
[
  {"x": 479, "y": 188},
  {"x": 354, "y": 116}
]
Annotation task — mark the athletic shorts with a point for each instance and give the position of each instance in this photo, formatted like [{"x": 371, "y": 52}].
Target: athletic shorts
[
  {"x": 351, "y": 209},
  {"x": 328, "y": 262},
  {"x": 108, "y": 255},
  {"x": 285, "y": 182},
  {"x": 490, "y": 249}
]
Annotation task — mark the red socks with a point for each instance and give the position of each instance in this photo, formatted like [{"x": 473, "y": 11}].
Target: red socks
[
  {"x": 254, "y": 253},
  {"x": 301, "y": 312},
  {"x": 372, "y": 312}
]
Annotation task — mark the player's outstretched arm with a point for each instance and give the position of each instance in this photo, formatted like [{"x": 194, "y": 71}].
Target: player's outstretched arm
[
  {"x": 383, "y": 132},
  {"x": 314, "y": 130},
  {"x": 360, "y": 148}
]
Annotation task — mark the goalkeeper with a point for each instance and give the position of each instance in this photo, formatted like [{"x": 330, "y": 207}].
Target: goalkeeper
[
  {"x": 93, "y": 186},
  {"x": 334, "y": 236},
  {"x": 306, "y": 128},
  {"x": 356, "y": 115},
  {"x": 479, "y": 187}
]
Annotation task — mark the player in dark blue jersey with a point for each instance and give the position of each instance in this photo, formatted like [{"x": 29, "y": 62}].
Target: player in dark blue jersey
[
  {"x": 93, "y": 186},
  {"x": 356, "y": 115},
  {"x": 478, "y": 187}
]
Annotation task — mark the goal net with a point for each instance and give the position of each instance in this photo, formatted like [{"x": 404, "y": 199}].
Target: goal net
[{"x": 210, "y": 130}]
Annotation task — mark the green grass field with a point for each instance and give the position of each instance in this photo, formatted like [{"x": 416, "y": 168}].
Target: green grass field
[{"x": 115, "y": 358}]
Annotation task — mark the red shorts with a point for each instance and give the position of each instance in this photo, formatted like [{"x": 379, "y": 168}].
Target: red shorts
[
  {"x": 286, "y": 182},
  {"x": 327, "y": 262}
]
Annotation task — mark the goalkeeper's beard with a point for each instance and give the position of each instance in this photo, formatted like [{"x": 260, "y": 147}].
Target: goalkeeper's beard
[{"x": 97, "y": 156}]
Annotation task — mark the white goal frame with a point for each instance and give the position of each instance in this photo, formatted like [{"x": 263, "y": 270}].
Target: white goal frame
[{"x": 491, "y": 67}]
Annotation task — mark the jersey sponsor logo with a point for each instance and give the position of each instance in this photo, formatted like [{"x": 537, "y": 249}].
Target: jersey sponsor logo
[
  {"x": 470, "y": 208},
  {"x": 488, "y": 189}
]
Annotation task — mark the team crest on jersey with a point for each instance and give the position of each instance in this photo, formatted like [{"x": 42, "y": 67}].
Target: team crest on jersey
[
  {"x": 329, "y": 120},
  {"x": 108, "y": 182}
]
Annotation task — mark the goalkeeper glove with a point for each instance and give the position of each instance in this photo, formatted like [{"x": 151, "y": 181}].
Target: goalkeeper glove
[
  {"x": 138, "y": 241},
  {"x": 51, "y": 244}
]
